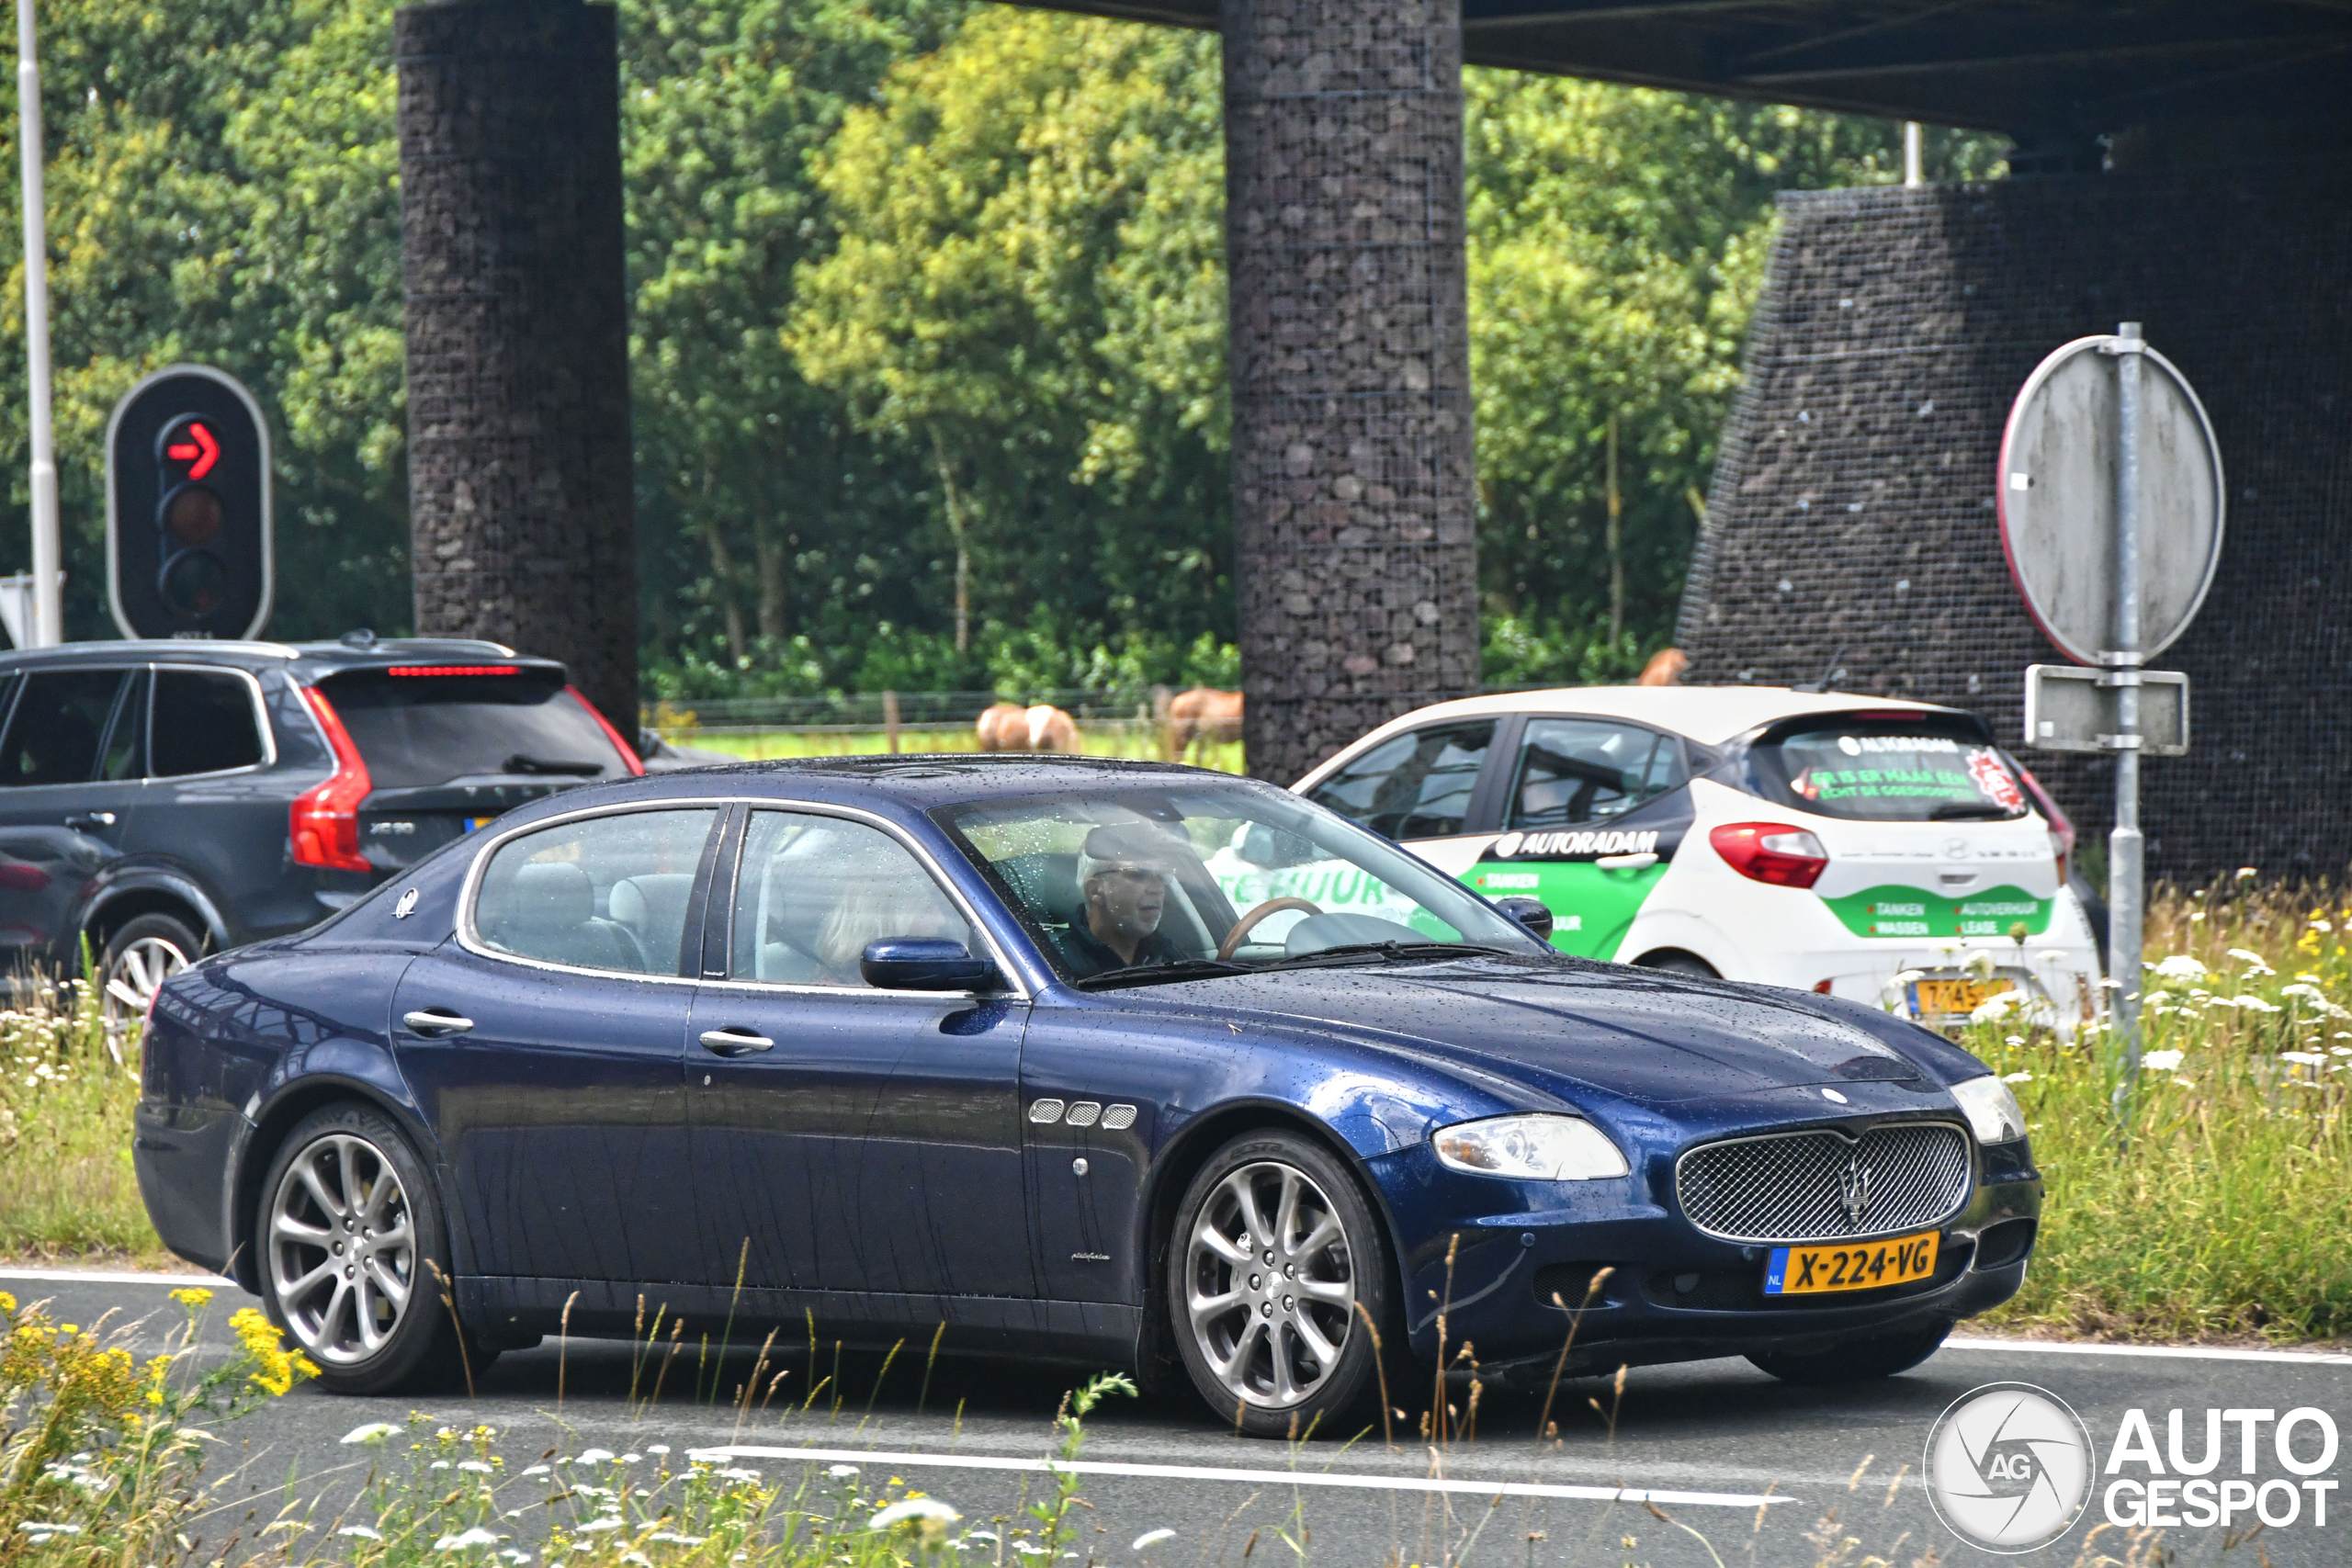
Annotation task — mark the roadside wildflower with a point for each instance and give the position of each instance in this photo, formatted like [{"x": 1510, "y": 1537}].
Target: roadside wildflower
[
  {"x": 193, "y": 1297},
  {"x": 2303, "y": 1058},
  {"x": 278, "y": 1366},
  {"x": 2161, "y": 1061},
  {"x": 2016, "y": 1078},
  {"x": 373, "y": 1433},
  {"x": 2180, "y": 966},
  {"x": 1992, "y": 1010},
  {"x": 465, "y": 1539},
  {"x": 358, "y": 1532},
  {"x": 1979, "y": 964},
  {"x": 1151, "y": 1538},
  {"x": 922, "y": 1512}
]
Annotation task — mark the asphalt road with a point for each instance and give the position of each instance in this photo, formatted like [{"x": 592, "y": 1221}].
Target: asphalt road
[{"x": 1702, "y": 1443}]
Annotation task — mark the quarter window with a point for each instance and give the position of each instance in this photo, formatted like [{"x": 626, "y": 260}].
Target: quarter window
[
  {"x": 600, "y": 892},
  {"x": 1417, "y": 785},
  {"x": 1573, "y": 771},
  {"x": 204, "y": 723},
  {"x": 814, "y": 890},
  {"x": 59, "y": 720}
]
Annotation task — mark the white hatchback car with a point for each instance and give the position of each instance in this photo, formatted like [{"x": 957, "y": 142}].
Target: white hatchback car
[{"x": 1861, "y": 846}]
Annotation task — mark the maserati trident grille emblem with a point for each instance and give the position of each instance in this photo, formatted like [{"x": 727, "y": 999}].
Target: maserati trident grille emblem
[{"x": 1854, "y": 1189}]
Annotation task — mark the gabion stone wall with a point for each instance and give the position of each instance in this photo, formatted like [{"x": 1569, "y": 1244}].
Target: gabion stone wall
[
  {"x": 1852, "y": 514},
  {"x": 517, "y": 329},
  {"x": 1355, "y": 558}
]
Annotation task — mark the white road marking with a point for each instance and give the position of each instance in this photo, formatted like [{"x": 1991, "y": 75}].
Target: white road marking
[
  {"x": 2172, "y": 1352},
  {"x": 1249, "y": 1477},
  {"x": 117, "y": 1277}
]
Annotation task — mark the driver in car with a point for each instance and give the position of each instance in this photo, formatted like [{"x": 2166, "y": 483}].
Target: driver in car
[{"x": 1123, "y": 870}]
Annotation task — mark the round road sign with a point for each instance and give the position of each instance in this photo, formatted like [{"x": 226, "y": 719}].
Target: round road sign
[{"x": 2057, "y": 500}]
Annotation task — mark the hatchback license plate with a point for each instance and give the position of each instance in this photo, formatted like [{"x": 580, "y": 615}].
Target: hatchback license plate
[
  {"x": 1866, "y": 1266},
  {"x": 1953, "y": 999}
]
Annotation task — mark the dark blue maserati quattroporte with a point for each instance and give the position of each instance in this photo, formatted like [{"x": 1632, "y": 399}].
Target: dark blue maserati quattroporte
[{"x": 1094, "y": 1061}]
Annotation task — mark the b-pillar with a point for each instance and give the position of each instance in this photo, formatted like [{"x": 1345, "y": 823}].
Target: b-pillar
[
  {"x": 521, "y": 514},
  {"x": 1355, "y": 554}
]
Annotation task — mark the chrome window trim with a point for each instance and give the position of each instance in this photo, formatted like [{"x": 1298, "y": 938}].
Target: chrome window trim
[
  {"x": 261, "y": 723},
  {"x": 470, "y": 940},
  {"x": 1851, "y": 1135}
]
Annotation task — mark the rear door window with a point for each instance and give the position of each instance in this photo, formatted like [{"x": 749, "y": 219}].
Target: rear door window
[
  {"x": 1574, "y": 770},
  {"x": 612, "y": 893},
  {"x": 814, "y": 890},
  {"x": 1414, "y": 785},
  {"x": 60, "y": 722},
  {"x": 205, "y": 723},
  {"x": 1892, "y": 769},
  {"x": 416, "y": 731},
  {"x": 125, "y": 750}
]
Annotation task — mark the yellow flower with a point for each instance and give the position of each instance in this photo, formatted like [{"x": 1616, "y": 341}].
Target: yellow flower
[
  {"x": 192, "y": 1296},
  {"x": 276, "y": 1366}
]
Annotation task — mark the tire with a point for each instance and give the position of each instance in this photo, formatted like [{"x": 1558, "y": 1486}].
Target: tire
[
  {"x": 407, "y": 1340},
  {"x": 1855, "y": 1360},
  {"x": 1679, "y": 964},
  {"x": 144, "y": 953},
  {"x": 1274, "y": 1360}
]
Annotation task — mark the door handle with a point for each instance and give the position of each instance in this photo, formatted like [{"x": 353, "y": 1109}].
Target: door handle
[
  {"x": 735, "y": 1042},
  {"x": 83, "y": 821},
  {"x": 435, "y": 1022}
]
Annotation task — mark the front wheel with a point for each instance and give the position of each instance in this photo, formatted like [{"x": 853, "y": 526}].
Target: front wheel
[
  {"x": 351, "y": 1238},
  {"x": 1275, "y": 1269},
  {"x": 1856, "y": 1360}
]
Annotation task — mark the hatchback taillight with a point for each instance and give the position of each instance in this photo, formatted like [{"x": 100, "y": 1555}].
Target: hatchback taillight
[
  {"x": 1771, "y": 852},
  {"x": 325, "y": 818}
]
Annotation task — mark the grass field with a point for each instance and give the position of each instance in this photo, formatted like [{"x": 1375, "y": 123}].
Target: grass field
[
  {"x": 2219, "y": 1213},
  {"x": 1123, "y": 739}
]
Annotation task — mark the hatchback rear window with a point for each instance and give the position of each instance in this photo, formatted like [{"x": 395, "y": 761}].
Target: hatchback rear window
[
  {"x": 1889, "y": 769},
  {"x": 415, "y": 731}
]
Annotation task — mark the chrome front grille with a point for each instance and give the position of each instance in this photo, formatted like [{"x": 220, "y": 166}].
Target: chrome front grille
[{"x": 1826, "y": 1185}]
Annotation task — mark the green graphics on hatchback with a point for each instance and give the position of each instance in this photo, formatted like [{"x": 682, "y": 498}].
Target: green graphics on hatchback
[
  {"x": 1592, "y": 908},
  {"x": 1893, "y": 912}
]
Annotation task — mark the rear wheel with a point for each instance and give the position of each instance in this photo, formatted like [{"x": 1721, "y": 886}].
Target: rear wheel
[
  {"x": 1856, "y": 1360},
  {"x": 351, "y": 1238},
  {"x": 1275, "y": 1266},
  {"x": 142, "y": 953},
  {"x": 1679, "y": 964}
]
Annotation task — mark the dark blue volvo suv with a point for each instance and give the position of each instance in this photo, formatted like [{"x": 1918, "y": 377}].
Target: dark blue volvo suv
[{"x": 162, "y": 799}]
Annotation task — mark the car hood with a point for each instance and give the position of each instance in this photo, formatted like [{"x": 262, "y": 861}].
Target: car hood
[{"x": 1638, "y": 1033}]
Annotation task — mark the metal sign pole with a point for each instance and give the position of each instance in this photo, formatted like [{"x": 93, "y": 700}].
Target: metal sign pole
[
  {"x": 48, "y": 621},
  {"x": 2126, "y": 868}
]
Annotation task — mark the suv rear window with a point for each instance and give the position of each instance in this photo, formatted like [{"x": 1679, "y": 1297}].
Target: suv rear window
[
  {"x": 414, "y": 731},
  {"x": 1890, "y": 768}
]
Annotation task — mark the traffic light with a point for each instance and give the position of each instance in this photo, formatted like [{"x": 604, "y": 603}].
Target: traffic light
[{"x": 188, "y": 508}]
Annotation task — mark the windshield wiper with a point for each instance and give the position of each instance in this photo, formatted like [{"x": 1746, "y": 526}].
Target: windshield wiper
[
  {"x": 522, "y": 763},
  {"x": 1384, "y": 952},
  {"x": 1159, "y": 974},
  {"x": 1970, "y": 810}
]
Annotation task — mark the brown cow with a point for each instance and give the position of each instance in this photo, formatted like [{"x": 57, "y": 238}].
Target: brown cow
[
  {"x": 1664, "y": 667},
  {"x": 1201, "y": 715},
  {"x": 1008, "y": 727}
]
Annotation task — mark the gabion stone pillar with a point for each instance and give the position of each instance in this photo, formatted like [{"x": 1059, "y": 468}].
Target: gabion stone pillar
[
  {"x": 518, "y": 328},
  {"x": 1355, "y": 557}
]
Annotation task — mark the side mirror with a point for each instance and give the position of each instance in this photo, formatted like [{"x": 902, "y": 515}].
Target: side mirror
[
  {"x": 1531, "y": 913},
  {"x": 923, "y": 963}
]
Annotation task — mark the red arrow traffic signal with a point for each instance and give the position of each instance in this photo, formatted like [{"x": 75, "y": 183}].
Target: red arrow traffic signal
[{"x": 199, "y": 456}]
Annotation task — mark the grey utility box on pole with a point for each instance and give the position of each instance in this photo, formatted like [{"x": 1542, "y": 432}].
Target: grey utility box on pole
[{"x": 2111, "y": 507}]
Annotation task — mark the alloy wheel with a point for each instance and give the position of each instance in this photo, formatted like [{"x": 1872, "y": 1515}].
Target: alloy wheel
[
  {"x": 1269, "y": 1285},
  {"x": 343, "y": 1257},
  {"x": 131, "y": 981}
]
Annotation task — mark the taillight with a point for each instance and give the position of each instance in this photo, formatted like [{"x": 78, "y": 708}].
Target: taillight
[
  {"x": 1771, "y": 852},
  {"x": 325, "y": 819},
  {"x": 627, "y": 751}
]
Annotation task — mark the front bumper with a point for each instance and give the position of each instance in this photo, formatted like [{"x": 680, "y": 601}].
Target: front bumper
[{"x": 1672, "y": 1294}]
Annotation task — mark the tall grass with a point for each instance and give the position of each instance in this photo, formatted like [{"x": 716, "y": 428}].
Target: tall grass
[
  {"x": 2218, "y": 1204},
  {"x": 66, "y": 1100},
  {"x": 1122, "y": 739}
]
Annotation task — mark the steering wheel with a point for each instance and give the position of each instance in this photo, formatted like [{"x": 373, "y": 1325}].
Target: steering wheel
[{"x": 1243, "y": 926}]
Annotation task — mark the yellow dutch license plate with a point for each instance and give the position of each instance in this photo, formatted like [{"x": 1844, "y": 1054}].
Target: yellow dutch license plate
[
  {"x": 1864, "y": 1266},
  {"x": 1952, "y": 998}
]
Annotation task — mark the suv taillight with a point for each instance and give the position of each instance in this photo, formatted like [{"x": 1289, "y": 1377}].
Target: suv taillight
[
  {"x": 1771, "y": 852},
  {"x": 627, "y": 751},
  {"x": 325, "y": 819}
]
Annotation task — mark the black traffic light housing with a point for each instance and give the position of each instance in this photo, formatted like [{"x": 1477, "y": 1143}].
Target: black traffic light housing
[{"x": 188, "y": 548}]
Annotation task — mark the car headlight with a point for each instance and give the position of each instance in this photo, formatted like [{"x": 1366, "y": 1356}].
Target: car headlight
[
  {"x": 1531, "y": 1148},
  {"x": 1992, "y": 1111}
]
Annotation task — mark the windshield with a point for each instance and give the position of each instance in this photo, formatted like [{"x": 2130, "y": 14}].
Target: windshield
[
  {"x": 424, "y": 730},
  {"x": 1123, "y": 881},
  {"x": 1890, "y": 768}
]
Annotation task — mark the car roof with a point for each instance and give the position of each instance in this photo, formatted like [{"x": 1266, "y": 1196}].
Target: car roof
[
  {"x": 1709, "y": 715},
  {"x": 315, "y": 657}
]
